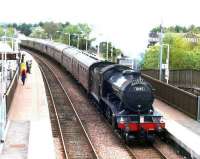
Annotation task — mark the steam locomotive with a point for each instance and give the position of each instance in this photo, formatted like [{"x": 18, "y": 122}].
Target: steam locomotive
[{"x": 122, "y": 95}]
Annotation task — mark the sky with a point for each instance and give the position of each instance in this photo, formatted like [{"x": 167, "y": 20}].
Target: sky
[{"x": 126, "y": 23}]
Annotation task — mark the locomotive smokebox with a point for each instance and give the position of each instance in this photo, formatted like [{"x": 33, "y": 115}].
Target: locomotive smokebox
[
  {"x": 137, "y": 97},
  {"x": 134, "y": 93}
]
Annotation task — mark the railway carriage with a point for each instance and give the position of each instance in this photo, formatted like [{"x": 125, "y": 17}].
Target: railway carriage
[
  {"x": 67, "y": 59},
  {"x": 38, "y": 45},
  {"x": 75, "y": 68},
  {"x": 58, "y": 52},
  {"x": 44, "y": 47},
  {"x": 31, "y": 44},
  {"x": 84, "y": 64},
  {"x": 50, "y": 51}
]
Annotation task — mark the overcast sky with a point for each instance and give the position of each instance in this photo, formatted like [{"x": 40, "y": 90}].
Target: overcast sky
[{"x": 124, "y": 22}]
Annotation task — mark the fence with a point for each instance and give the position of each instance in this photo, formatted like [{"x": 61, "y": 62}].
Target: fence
[
  {"x": 180, "y": 78},
  {"x": 178, "y": 98},
  {"x": 11, "y": 90}
]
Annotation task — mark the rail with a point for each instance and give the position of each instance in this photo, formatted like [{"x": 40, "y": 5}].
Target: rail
[
  {"x": 145, "y": 151},
  {"x": 70, "y": 110},
  {"x": 56, "y": 114}
]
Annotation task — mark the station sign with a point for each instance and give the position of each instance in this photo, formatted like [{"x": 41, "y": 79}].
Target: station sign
[{"x": 9, "y": 56}]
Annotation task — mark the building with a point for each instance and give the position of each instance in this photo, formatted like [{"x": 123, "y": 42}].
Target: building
[
  {"x": 153, "y": 38},
  {"x": 191, "y": 37}
]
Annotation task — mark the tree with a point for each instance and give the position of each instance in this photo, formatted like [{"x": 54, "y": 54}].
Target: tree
[
  {"x": 155, "y": 29},
  {"x": 51, "y": 28},
  {"x": 178, "y": 29},
  {"x": 113, "y": 52},
  {"x": 41, "y": 24},
  {"x": 182, "y": 54},
  {"x": 192, "y": 28},
  {"x": 14, "y": 25},
  {"x": 9, "y": 31},
  {"x": 81, "y": 31},
  {"x": 25, "y": 28},
  {"x": 74, "y": 32},
  {"x": 151, "y": 58},
  {"x": 85, "y": 29},
  {"x": 39, "y": 32},
  {"x": 1, "y": 31}
]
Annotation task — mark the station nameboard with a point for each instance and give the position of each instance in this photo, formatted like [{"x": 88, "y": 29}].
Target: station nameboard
[{"x": 9, "y": 56}]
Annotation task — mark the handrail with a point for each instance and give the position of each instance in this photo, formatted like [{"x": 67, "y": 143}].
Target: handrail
[{"x": 13, "y": 79}]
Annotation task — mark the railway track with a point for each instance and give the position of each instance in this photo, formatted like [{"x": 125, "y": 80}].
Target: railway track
[
  {"x": 157, "y": 150},
  {"x": 145, "y": 151},
  {"x": 107, "y": 145},
  {"x": 56, "y": 132},
  {"x": 75, "y": 141},
  {"x": 94, "y": 124}
]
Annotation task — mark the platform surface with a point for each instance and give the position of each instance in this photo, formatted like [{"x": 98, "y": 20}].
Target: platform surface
[
  {"x": 29, "y": 106},
  {"x": 183, "y": 129}
]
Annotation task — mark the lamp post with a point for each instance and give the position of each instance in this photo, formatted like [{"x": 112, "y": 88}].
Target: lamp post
[
  {"x": 77, "y": 39},
  {"x": 112, "y": 54},
  {"x": 86, "y": 43},
  {"x": 68, "y": 38},
  {"x": 107, "y": 50},
  {"x": 58, "y": 32},
  {"x": 99, "y": 41},
  {"x": 78, "y": 42},
  {"x": 161, "y": 41},
  {"x": 98, "y": 50},
  {"x": 65, "y": 34},
  {"x": 167, "y": 64}
]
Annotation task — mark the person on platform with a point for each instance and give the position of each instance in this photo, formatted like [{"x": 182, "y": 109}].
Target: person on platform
[
  {"x": 27, "y": 67},
  {"x": 30, "y": 65},
  {"x": 22, "y": 59},
  {"x": 23, "y": 76},
  {"x": 23, "y": 72}
]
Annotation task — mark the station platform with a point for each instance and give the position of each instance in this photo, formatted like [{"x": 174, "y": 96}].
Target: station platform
[
  {"x": 184, "y": 130},
  {"x": 29, "y": 132}
]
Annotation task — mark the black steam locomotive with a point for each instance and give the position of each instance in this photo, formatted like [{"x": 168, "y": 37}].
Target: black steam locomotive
[
  {"x": 121, "y": 93},
  {"x": 126, "y": 100}
]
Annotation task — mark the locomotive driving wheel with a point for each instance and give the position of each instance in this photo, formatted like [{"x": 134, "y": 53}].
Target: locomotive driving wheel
[
  {"x": 114, "y": 122},
  {"x": 111, "y": 118},
  {"x": 109, "y": 114}
]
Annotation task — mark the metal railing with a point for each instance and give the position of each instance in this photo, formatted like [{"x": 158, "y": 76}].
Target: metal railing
[{"x": 11, "y": 90}]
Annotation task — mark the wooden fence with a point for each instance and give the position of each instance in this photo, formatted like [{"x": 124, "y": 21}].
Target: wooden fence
[
  {"x": 184, "y": 101},
  {"x": 180, "y": 78}
]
